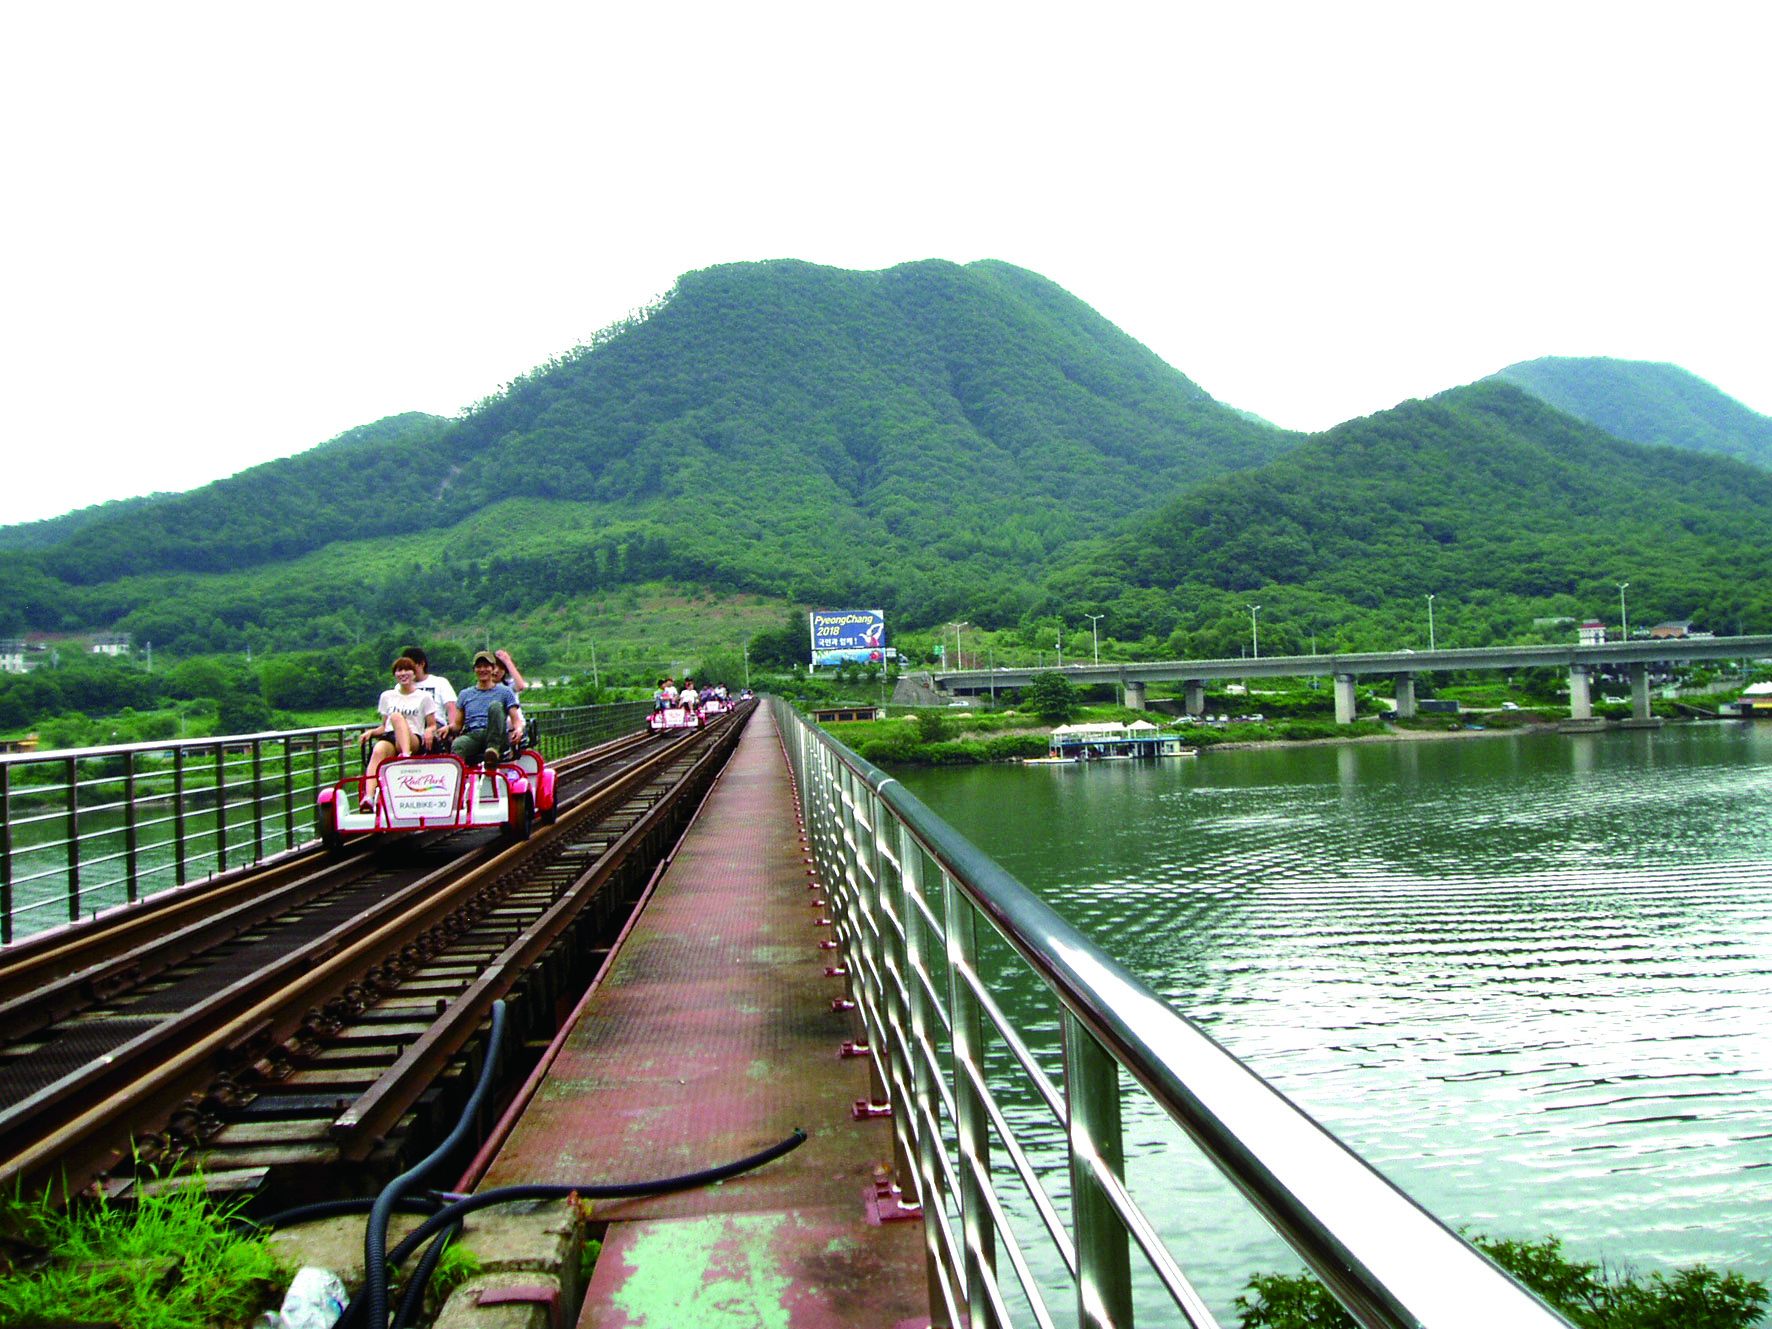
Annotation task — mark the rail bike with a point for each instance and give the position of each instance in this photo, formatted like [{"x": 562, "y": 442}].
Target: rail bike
[
  {"x": 440, "y": 792},
  {"x": 674, "y": 717}
]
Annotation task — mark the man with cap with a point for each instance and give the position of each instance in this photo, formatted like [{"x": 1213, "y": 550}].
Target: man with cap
[{"x": 485, "y": 717}]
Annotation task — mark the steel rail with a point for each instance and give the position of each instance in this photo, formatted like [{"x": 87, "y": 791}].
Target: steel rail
[
  {"x": 182, "y": 1056},
  {"x": 56, "y": 999},
  {"x": 47, "y": 972},
  {"x": 377, "y": 1109}
]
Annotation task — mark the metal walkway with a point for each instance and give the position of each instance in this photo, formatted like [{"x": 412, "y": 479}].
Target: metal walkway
[{"x": 713, "y": 1036}]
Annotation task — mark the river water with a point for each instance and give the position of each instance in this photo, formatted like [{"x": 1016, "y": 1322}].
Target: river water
[{"x": 1527, "y": 977}]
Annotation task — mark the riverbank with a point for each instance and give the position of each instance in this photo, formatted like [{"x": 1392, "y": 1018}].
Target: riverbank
[
  {"x": 1392, "y": 734},
  {"x": 897, "y": 741}
]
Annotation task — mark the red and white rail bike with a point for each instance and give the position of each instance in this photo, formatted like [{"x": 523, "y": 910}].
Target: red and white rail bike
[{"x": 439, "y": 793}]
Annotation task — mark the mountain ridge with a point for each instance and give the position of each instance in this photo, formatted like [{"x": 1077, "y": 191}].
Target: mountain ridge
[
  {"x": 1647, "y": 402},
  {"x": 937, "y": 430}
]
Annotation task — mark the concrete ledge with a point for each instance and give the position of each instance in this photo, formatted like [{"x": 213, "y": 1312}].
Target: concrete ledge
[{"x": 507, "y": 1301}]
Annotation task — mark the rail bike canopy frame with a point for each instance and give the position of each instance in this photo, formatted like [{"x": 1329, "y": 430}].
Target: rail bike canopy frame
[
  {"x": 86, "y": 829},
  {"x": 928, "y": 924}
]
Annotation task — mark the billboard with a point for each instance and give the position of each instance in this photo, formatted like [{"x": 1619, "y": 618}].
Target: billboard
[{"x": 839, "y": 635}]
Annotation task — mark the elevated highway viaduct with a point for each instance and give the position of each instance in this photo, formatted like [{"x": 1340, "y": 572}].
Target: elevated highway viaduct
[{"x": 1631, "y": 658}]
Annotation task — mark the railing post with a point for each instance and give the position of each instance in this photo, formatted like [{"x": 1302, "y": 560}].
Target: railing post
[
  {"x": 925, "y": 1024},
  {"x": 258, "y": 799},
  {"x": 288, "y": 792},
  {"x": 1104, "y": 1265},
  {"x": 73, "y": 768},
  {"x": 5, "y": 855},
  {"x": 221, "y": 806},
  {"x": 181, "y": 852},
  {"x": 896, "y": 977},
  {"x": 972, "y": 1120},
  {"x": 131, "y": 833}
]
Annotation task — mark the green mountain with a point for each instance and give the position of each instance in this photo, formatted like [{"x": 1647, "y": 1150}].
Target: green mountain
[
  {"x": 1655, "y": 404},
  {"x": 929, "y": 438},
  {"x": 1500, "y": 506}
]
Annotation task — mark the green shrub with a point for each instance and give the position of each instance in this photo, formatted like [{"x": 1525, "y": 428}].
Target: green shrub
[
  {"x": 1588, "y": 1294},
  {"x": 936, "y": 726}
]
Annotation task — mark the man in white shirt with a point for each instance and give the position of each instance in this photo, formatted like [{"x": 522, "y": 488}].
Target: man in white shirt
[{"x": 438, "y": 687}]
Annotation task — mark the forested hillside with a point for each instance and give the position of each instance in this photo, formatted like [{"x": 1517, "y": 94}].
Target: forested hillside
[
  {"x": 945, "y": 442},
  {"x": 1501, "y": 507},
  {"x": 929, "y": 438},
  {"x": 1656, "y": 404}
]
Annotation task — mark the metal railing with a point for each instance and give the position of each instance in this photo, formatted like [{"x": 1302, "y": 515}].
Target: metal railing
[
  {"x": 85, "y": 829},
  {"x": 563, "y": 730},
  {"x": 934, "y": 934}
]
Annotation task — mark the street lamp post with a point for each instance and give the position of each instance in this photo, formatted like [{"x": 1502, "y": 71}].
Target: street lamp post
[
  {"x": 959, "y": 661},
  {"x": 1623, "y": 621},
  {"x": 1095, "y": 633},
  {"x": 1430, "y": 622},
  {"x": 1254, "y": 636},
  {"x": 1061, "y": 648}
]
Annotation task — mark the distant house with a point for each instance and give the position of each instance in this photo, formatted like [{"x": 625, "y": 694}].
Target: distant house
[
  {"x": 1755, "y": 701},
  {"x": 845, "y": 714},
  {"x": 1678, "y": 628},
  {"x": 1591, "y": 633},
  {"x": 12, "y": 655},
  {"x": 111, "y": 643}
]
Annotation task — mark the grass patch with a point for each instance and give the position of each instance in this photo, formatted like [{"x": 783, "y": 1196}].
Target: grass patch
[{"x": 168, "y": 1261}]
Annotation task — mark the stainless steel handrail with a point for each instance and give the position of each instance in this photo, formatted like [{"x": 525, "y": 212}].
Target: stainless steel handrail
[
  {"x": 86, "y": 829},
  {"x": 913, "y": 903}
]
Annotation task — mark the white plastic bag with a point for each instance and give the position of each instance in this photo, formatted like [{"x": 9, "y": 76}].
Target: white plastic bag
[{"x": 315, "y": 1300}]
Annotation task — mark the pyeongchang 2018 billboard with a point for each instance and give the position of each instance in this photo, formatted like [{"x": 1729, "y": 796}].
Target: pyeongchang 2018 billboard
[{"x": 840, "y": 635}]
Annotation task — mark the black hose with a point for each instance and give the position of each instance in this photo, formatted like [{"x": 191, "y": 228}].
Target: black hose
[
  {"x": 375, "y": 1238},
  {"x": 414, "y": 1296},
  {"x": 378, "y": 1260},
  {"x": 428, "y": 1203},
  {"x": 461, "y": 1208}
]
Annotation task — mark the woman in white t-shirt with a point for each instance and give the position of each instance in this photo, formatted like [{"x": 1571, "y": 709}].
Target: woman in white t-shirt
[{"x": 409, "y": 720}]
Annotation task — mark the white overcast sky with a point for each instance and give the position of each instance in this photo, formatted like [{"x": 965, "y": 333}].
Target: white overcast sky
[{"x": 232, "y": 231}]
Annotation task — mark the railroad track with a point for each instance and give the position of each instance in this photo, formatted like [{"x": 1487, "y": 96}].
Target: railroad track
[{"x": 299, "y": 1030}]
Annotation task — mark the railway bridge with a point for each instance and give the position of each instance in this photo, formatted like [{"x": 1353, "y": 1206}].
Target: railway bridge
[{"x": 744, "y": 991}]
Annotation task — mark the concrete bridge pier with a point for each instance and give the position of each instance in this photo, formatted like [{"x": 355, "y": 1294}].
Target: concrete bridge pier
[
  {"x": 1640, "y": 718},
  {"x": 1581, "y": 692},
  {"x": 1194, "y": 695},
  {"x": 1344, "y": 699},
  {"x": 1405, "y": 696},
  {"x": 1134, "y": 695}
]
